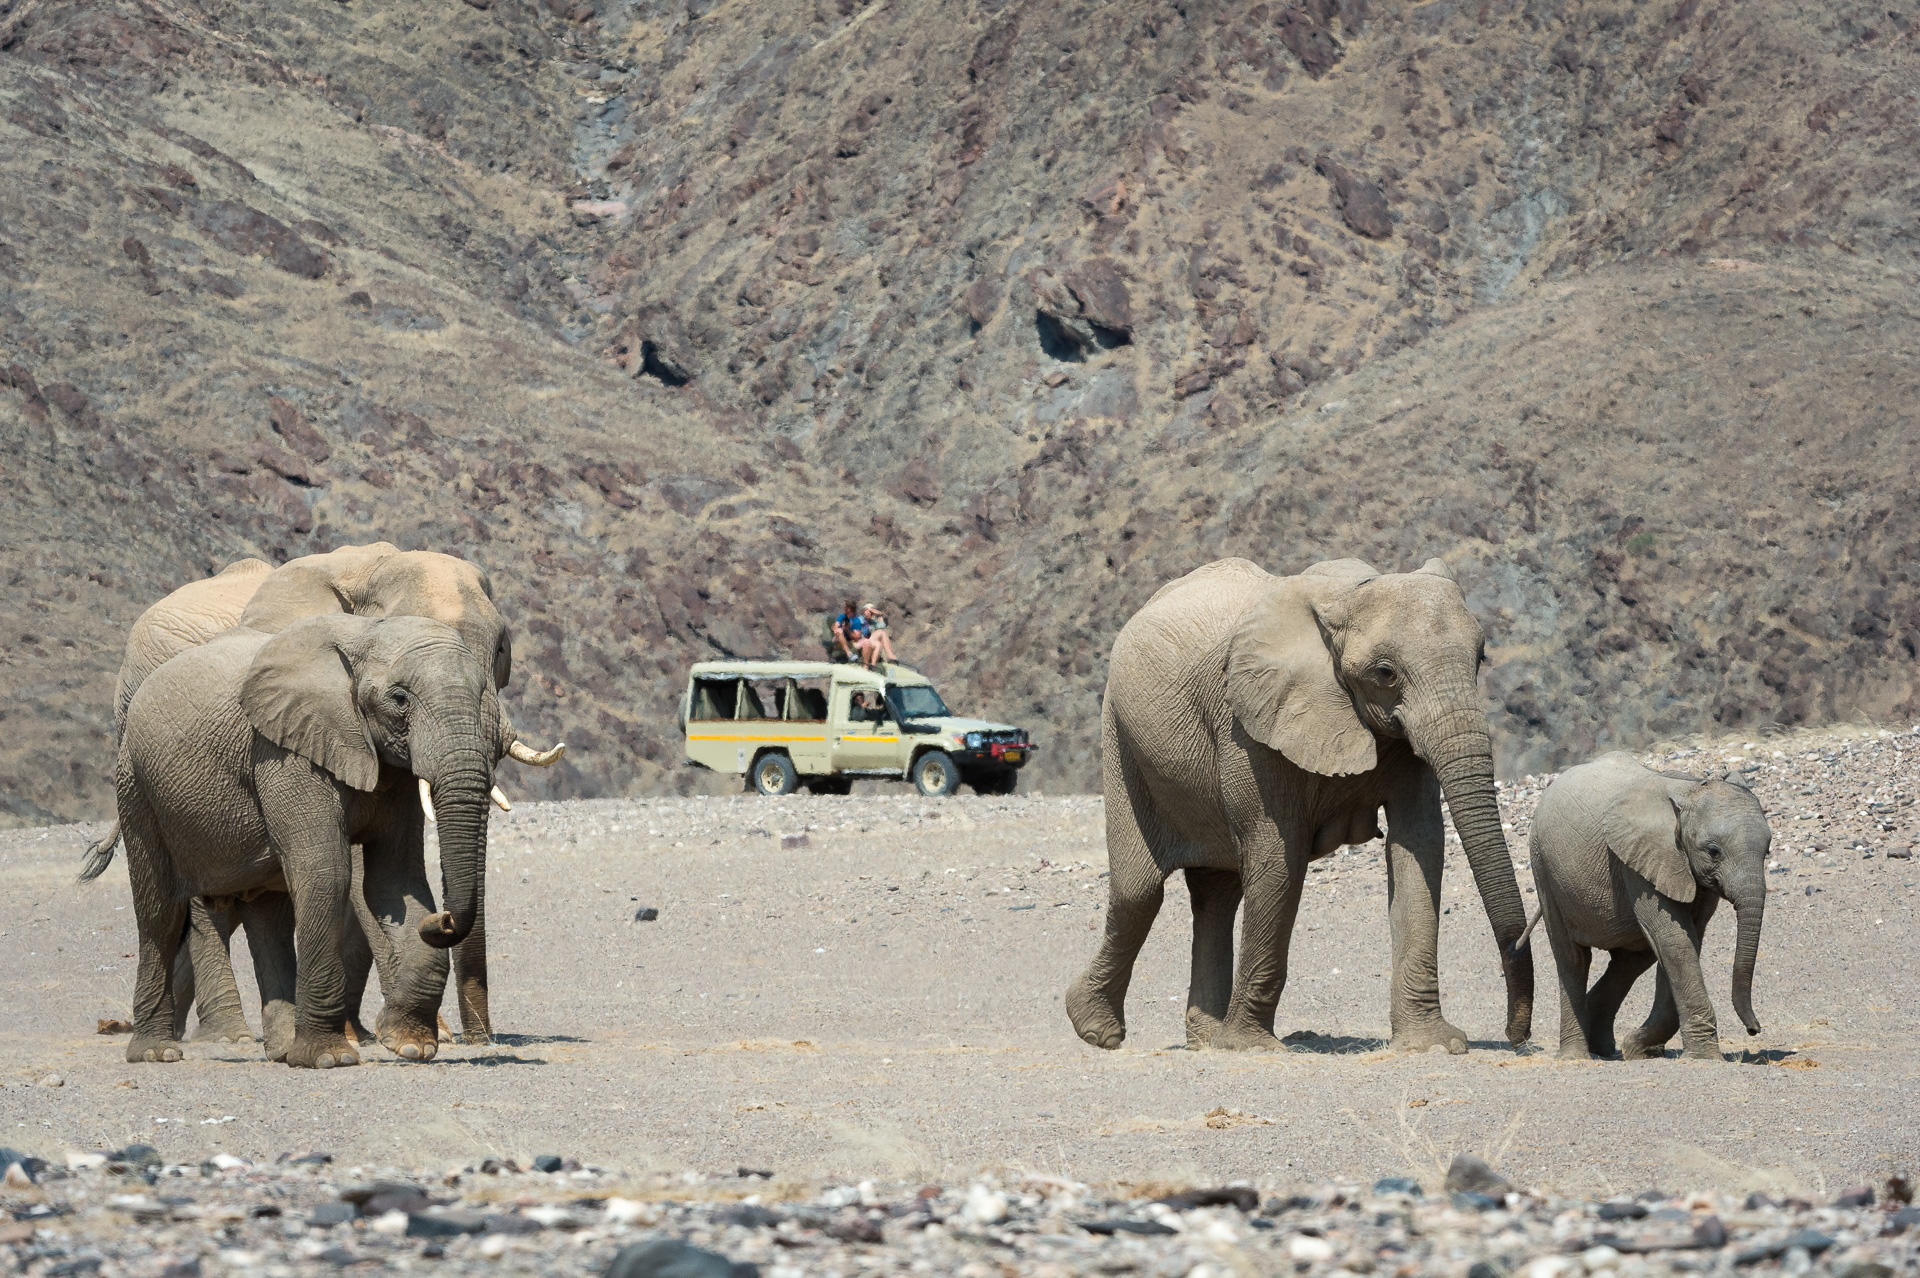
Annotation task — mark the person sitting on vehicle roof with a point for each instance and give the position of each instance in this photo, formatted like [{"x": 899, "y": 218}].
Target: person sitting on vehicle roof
[
  {"x": 877, "y": 637},
  {"x": 849, "y": 629}
]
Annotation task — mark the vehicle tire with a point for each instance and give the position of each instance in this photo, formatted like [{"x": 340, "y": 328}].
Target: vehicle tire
[
  {"x": 934, "y": 774},
  {"x": 774, "y": 774},
  {"x": 999, "y": 781},
  {"x": 829, "y": 785}
]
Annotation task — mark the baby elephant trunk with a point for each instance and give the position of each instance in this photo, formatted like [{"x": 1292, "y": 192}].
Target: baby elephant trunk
[{"x": 1746, "y": 947}]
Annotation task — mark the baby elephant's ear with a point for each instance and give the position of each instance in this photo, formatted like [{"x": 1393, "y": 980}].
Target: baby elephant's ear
[
  {"x": 1643, "y": 830},
  {"x": 298, "y": 694},
  {"x": 1281, "y": 683}
]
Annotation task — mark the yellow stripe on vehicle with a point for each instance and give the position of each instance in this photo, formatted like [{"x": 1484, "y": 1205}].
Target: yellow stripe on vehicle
[
  {"x": 878, "y": 740},
  {"x": 756, "y": 736}
]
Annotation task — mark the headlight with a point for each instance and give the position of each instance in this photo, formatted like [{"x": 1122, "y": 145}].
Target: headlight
[{"x": 973, "y": 741}]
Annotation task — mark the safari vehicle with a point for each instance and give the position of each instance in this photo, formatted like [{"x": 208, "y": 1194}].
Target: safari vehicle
[{"x": 784, "y": 724}]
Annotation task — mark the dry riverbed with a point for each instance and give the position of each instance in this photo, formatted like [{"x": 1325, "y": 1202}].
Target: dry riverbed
[{"x": 871, "y": 1014}]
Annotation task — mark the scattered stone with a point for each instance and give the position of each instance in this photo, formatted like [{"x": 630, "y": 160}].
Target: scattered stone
[
  {"x": 138, "y": 1156},
  {"x": 645, "y": 914},
  {"x": 1858, "y": 1196},
  {"x": 1621, "y": 1210},
  {"x": 1397, "y": 1185},
  {"x": 986, "y": 1206},
  {"x": 1124, "y": 1225},
  {"x": 791, "y": 841},
  {"x": 1468, "y": 1174},
  {"x": 1309, "y": 1250},
  {"x": 444, "y": 1224},
  {"x": 672, "y": 1258},
  {"x": 52, "y": 1080},
  {"x": 327, "y": 1215},
  {"x": 1241, "y": 1196},
  {"x": 1900, "y": 852},
  {"x": 547, "y": 1163}
]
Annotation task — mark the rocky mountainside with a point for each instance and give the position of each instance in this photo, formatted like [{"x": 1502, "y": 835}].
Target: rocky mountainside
[{"x": 685, "y": 318}]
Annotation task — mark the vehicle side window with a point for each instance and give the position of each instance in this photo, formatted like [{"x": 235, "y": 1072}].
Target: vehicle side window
[
  {"x": 714, "y": 698},
  {"x": 804, "y": 702},
  {"x": 748, "y": 706}
]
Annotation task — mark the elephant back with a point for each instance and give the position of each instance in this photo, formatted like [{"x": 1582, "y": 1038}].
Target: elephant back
[{"x": 186, "y": 618}]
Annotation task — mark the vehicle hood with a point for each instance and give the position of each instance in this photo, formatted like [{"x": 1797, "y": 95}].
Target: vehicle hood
[{"x": 960, "y": 727}]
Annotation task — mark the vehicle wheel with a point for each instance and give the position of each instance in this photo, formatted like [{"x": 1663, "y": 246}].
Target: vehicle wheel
[
  {"x": 830, "y": 785},
  {"x": 997, "y": 782},
  {"x": 934, "y": 774},
  {"x": 773, "y": 773}
]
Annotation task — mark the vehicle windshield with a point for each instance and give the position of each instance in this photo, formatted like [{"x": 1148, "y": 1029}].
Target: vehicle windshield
[{"x": 916, "y": 701}]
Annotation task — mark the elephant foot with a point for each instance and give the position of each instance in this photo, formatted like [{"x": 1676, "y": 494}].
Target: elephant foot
[
  {"x": 1428, "y": 1035},
  {"x": 357, "y": 1032},
  {"x": 1709, "y": 1051},
  {"x": 408, "y": 1036},
  {"x": 321, "y": 1051},
  {"x": 1244, "y": 1038},
  {"x": 1095, "y": 1018},
  {"x": 1634, "y": 1048},
  {"x": 159, "y": 1051},
  {"x": 1574, "y": 1052},
  {"x": 1201, "y": 1027},
  {"x": 442, "y": 1030},
  {"x": 224, "y": 1027}
]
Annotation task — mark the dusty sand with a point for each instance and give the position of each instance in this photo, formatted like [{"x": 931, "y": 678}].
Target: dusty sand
[{"x": 886, "y": 1002}]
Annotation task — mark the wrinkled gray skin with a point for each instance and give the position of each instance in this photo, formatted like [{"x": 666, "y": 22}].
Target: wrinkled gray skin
[
  {"x": 248, "y": 769},
  {"x": 1255, "y": 723},
  {"x": 1633, "y": 862},
  {"x": 378, "y": 580}
]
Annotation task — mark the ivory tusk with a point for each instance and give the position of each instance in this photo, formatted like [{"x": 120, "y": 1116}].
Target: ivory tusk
[
  {"x": 500, "y": 800},
  {"x": 426, "y": 801},
  {"x": 537, "y": 758}
]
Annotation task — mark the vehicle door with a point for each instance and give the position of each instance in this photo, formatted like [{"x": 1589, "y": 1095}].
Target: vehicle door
[{"x": 863, "y": 740}]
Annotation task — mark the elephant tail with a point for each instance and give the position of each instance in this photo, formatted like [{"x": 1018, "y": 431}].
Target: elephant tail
[
  {"x": 100, "y": 855},
  {"x": 1528, "y": 930}
]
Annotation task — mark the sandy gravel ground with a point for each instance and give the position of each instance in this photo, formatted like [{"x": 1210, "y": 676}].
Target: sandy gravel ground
[{"x": 885, "y": 1002}]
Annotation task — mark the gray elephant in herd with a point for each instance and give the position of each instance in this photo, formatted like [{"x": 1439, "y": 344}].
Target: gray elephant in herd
[
  {"x": 1255, "y": 723},
  {"x": 251, "y": 765},
  {"x": 1633, "y": 861},
  {"x": 374, "y": 580}
]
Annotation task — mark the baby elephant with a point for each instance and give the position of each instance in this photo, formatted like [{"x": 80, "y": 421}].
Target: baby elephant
[{"x": 1633, "y": 861}]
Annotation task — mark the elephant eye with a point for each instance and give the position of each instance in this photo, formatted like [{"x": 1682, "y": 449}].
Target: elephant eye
[
  {"x": 1713, "y": 851},
  {"x": 1384, "y": 674},
  {"x": 399, "y": 697}
]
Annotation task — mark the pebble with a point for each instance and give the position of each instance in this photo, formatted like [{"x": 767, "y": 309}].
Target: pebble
[
  {"x": 1308, "y": 1249},
  {"x": 669, "y": 1258},
  {"x": 986, "y": 1206},
  {"x": 52, "y": 1080},
  {"x": 1467, "y": 1174},
  {"x": 548, "y": 1163}
]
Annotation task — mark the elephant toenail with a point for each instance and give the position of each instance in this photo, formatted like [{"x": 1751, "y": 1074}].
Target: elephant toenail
[
  {"x": 411, "y": 1051},
  {"x": 325, "y": 1061}
]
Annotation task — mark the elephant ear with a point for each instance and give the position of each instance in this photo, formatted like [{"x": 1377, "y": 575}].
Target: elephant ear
[
  {"x": 1643, "y": 829},
  {"x": 1281, "y": 682},
  {"x": 313, "y": 585},
  {"x": 298, "y": 694}
]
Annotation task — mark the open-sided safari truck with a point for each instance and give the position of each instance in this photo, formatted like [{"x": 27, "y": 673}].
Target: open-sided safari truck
[{"x": 785, "y": 724}]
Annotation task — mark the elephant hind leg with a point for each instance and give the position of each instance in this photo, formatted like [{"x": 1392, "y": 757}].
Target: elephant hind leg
[
  {"x": 1096, "y": 1001},
  {"x": 213, "y": 991},
  {"x": 1572, "y": 962},
  {"x": 1603, "y": 1000},
  {"x": 270, "y": 927},
  {"x": 160, "y": 914},
  {"x": 1216, "y": 899}
]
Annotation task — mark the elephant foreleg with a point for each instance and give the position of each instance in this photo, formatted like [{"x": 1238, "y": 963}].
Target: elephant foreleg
[
  {"x": 1676, "y": 941},
  {"x": 1603, "y": 1000},
  {"x": 1216, "y": 900},
  {"x": 1416, "y": 847},
  {"x": 470, "y": 980},
  {"x": 1096, "y": 1001},
  {"x": 413, "y": 974}
]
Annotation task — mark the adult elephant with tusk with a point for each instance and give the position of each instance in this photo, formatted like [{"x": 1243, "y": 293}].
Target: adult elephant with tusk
[
  {"x": 1255, "y": 723},
  {"x": 252, "y": 765},
  {"x": 375, "y": 580}
]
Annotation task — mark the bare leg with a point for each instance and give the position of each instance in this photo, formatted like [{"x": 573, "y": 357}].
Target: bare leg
[
  {"x": 1216, "y": 899},
  {"x": 1603, "y": 1000},
  {"x": 1416, "y": 848}
]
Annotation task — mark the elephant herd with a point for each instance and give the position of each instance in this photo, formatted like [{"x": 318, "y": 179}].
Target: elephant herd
[{"x": 285, "y": 734}]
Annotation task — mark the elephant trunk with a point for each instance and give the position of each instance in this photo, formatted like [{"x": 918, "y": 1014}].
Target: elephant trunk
[
  {"x": 1457, "y": 746},
  {"x": 461, "y": 788},
  {"x": 1746, "y": 948}
]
